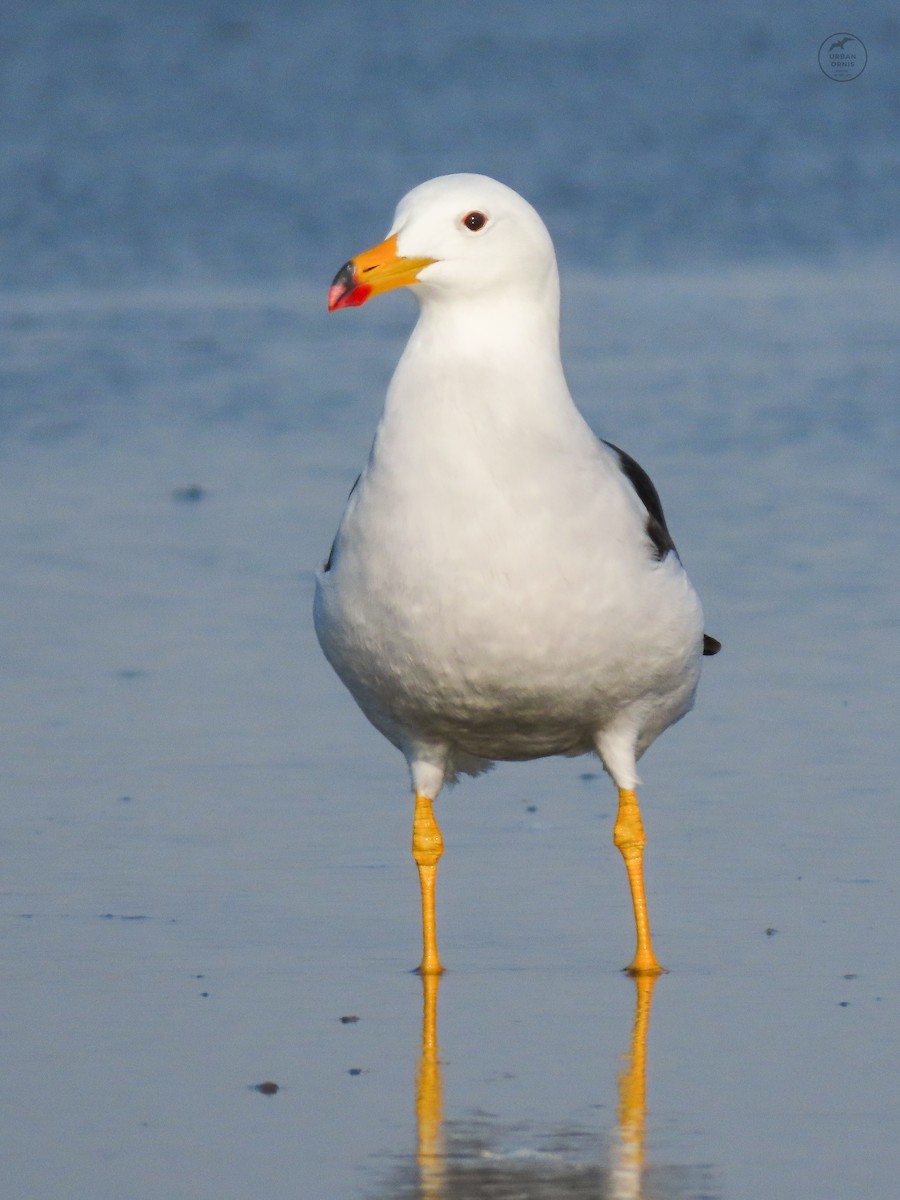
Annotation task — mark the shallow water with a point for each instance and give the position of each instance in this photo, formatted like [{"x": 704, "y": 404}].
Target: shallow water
[{"x": 206, "y": 848}]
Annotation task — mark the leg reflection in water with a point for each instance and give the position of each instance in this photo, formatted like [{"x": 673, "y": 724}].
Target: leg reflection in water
[
  {"x": 627, "y": 1173},
  {"x": 430, "y": 1100},
  {"x": 464, "y": 1174}
]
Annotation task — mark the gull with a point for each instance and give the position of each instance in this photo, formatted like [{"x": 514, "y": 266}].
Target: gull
[{"x": 503, "y": 585}]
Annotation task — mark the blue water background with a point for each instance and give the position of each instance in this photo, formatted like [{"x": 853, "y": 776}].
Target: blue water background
[{"x": 203, "y": 140}]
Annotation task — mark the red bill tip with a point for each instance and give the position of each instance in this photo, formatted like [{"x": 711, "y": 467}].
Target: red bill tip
[{"x": 342, "y": 296}]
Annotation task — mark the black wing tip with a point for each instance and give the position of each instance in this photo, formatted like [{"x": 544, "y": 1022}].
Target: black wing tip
[
  {"x": 655, "y": 525},
  {"x": 326, "y": 566}
]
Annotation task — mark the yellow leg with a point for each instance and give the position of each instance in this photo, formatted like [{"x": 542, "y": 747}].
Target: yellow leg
[
  {"x": 427, "y": 848},
  {"x": 630, "y": 838}
]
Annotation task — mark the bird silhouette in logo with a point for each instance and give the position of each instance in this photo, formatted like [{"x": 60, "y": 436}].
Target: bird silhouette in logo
[{"x": 841, "y": 44}]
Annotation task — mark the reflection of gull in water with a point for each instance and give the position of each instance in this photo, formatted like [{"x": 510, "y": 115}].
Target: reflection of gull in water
[{"x": 472, "y": 1161}]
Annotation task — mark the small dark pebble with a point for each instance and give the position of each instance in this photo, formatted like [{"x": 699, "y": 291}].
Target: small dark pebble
[
  {"x": 349, "y": 1020},
  {"x": 204, "y": 994},
  {"x": 189, "y": 494},
  {"x": 532, "y": 808},
  {"x": 124, "y": 799},
  {"x": 843, "y": 1004},
  {"x": 355, "y": 1071},
  {"x": 268, "y": 1087},
  {"x": 587, "y": 776},
  {"x": 771, "y": 931},
  {"x": 850, "y": 976}
]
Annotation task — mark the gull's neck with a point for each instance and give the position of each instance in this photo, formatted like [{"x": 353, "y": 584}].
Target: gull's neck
[
  {"x": 499, "y": 349},
  {"x": 492, "y": 322},
  {"x": 478, "y": 394}
]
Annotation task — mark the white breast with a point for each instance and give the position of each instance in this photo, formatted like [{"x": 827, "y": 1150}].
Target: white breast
[{"x": 492, "y": 585}]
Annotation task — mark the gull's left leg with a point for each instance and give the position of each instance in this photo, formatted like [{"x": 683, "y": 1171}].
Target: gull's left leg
[
  {"x": 629, "y": 836},
  {"x": 427, "y": 848}
]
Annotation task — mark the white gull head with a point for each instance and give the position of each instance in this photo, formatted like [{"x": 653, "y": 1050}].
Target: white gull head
[{"x": 482, "y": 236}]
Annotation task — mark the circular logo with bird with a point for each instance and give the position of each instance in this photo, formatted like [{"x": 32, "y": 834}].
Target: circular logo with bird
[{"x": 843, "y": 57}]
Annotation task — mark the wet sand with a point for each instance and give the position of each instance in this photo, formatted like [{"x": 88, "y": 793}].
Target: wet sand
[{"x": 206, "y": 859}]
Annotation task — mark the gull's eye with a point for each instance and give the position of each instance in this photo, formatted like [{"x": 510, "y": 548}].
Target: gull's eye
[{"x": 474, "y": 221}]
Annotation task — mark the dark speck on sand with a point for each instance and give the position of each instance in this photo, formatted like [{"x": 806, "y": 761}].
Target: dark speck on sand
[{"x": 189, "y": 494}]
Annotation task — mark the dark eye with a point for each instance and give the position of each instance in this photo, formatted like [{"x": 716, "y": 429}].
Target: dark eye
[{"x": 475, "y": 221}]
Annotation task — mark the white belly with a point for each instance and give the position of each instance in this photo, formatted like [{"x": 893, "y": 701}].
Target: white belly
[{"x": 515, "y": 628}]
